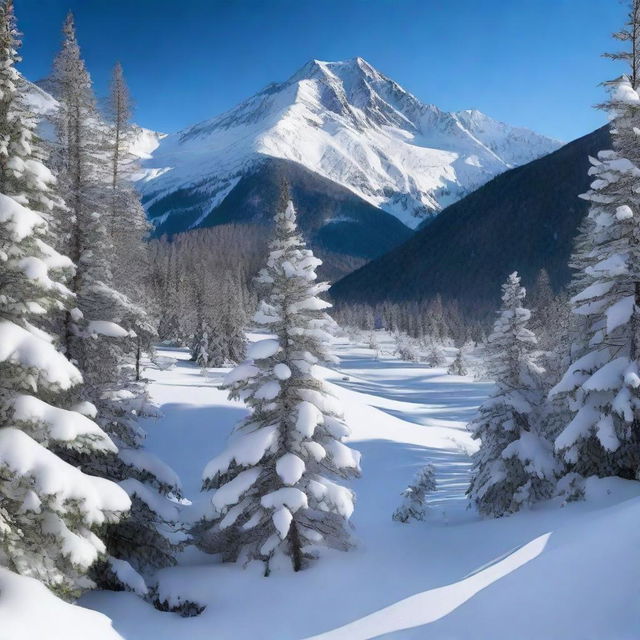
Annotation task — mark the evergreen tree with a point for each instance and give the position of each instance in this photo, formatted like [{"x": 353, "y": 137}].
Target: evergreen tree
[
  {"x": 201, "y": 346},
  {"x": 458, "y": 366},
  {"x": 630, "y": 33},
  {"x": 435, "y": 355},
  {"x": 514, "y": 465},
  {"x": 601, "y": 385},
  {"x": 274, "y": 493},
  {"x": 50, "y": 511},
  {"x": 101, "y": 338},
  {"x": 233, "y": 321},
  {"x": 127, "y": 221},
  {"x": 415, "y": 496},
  {"x": 405, "y": 348}
]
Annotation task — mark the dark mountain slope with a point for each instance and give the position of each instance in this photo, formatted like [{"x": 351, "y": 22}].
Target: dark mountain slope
[
  {"x": 524, "y": 219},
  {"x": 343, "y": 228}
]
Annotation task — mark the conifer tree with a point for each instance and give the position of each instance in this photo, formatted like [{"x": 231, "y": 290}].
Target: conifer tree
[
  {"x": 514, "y": 465},
  {"x": 275, "y": 495},
  {"x": 458, "y": 366},
  {"x": 233, "y": 319},
  {"x": 435, "y": 356},
  {"x": 414, "y": 505},
  {"x": 127, "y": 222},
  {"x": 101, "y": 335},
  {"x": 201, "y": 346},
  {"x": 601, "y": 387},
  {"x": 50, "y": 511}
]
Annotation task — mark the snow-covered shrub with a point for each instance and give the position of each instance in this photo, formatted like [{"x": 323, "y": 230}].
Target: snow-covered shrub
[
  {"x": 514, "y": 465},
  {"x": 183, "y": 607},
  {"x": 571, "y": 487},
  {"x": 414, "y": 504},
  {"x": 435, "y": 355},
  {"x": 275, "y": 493},
  {"x": 458, "y": 367},
  {"x": 164, "y": 363},
  {"x": 405, "y": 348}
]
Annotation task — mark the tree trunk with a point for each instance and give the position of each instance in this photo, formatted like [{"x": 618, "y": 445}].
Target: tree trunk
[
  {"x": 138, "y": 357},
  {"x": 294, "y": 544}
]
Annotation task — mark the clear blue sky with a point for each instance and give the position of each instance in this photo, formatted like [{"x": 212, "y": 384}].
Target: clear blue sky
[{"x": 534, "y": 63}]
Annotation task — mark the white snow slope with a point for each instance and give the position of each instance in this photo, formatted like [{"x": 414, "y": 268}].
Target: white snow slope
[
  {"x": 565, "y": 573},
  {"x": 29, "y": 611},
  {"x": 349, "y": 123},
  {"x": 143, "y": 141}
]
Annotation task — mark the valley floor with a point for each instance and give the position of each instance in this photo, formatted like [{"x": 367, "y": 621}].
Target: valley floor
[{"x": 567, "y": 572}]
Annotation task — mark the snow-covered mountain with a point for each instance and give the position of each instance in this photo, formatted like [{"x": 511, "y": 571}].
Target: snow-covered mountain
[
  {"x": 346, "y": 122},
  {"x": 143, "y": 141}
]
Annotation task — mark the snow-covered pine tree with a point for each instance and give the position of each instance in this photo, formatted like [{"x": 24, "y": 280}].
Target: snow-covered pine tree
[
  {"x": 405, "y": 348},
  {"x": 601, "y": 387},
  {"x": 220, "y": 312},
  {"x": 435, "y": 356},
  {"x": 514, "y": 465},
  {"x": 201, "y": 346},
  {"x": 233, "y": 319},
  {"x": 274, "y": 493},
  {"x": 50, "y": 511},
  {"x": 458, "y": 367},
  {"x": 99, "y": 343},
  {"x": 414, "y": 504},
  {"x": 630, "y": 33},
  {"x": 127, "y": 221}
]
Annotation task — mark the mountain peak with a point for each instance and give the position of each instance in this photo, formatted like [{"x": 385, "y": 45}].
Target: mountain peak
[{"x": 347, "y": 122}]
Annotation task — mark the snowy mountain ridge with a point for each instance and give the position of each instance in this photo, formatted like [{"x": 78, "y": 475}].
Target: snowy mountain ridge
[
  {"x": 351, "y": 124},
  {"x": 143, "y": 141}
]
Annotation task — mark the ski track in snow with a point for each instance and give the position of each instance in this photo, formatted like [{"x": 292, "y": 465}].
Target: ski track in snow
[{"x": 452, "y": 576}]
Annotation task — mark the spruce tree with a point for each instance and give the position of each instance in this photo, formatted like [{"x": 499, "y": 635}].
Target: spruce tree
[
  {"x": 414, "y": 505},
  {"x": 233, "y": 319},
  {"x": 127, "y": 222},
  {"x": 458, "y": 366},
  {"x": 514, "y": 465},
  {"x": 275, "y": 493},
  {"x": 601, "y": 387},
  {"x": 101, "y": 335},
  {"x": 50, "y": 512}
]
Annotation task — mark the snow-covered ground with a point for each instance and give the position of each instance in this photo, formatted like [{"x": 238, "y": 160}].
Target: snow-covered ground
[{"x": 556, "y": 572}]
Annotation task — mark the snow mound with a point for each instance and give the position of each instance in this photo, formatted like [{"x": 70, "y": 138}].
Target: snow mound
[{"x": 29, "y": 610}]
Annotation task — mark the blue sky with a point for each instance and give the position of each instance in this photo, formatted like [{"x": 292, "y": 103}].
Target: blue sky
[{"x": 535, "y": 63}]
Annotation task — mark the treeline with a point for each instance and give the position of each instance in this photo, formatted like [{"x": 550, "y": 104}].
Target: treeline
[
  {"x": 440, "y": 321},
  {"x": 202, "y": 287}
]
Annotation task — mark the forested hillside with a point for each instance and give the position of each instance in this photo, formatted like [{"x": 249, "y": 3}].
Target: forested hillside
[{"x": 525, "y": 219}]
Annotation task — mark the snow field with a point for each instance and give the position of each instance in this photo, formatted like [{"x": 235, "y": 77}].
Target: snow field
[{"x": 553, "y": 572}]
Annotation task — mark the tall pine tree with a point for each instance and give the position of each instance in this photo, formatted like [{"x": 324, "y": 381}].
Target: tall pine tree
[
  {"x": 514, "y": 465},
  {"x": 50, "y": 511},
  {"x": 274, "y": 490},
  {"x": 601, "y": 388},
  {"x": 101, "y": 333}
]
